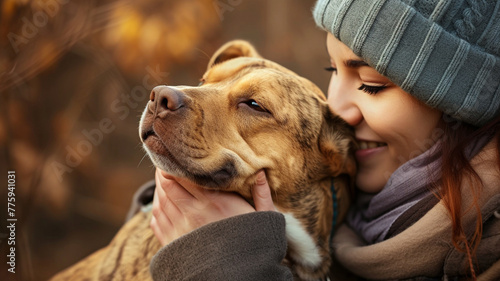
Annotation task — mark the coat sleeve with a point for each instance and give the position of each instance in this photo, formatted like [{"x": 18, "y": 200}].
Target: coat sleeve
[{"x": 245, "y": 247}]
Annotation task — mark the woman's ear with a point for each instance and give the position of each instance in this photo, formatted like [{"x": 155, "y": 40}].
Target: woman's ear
[{"x": 233, "y": 49}]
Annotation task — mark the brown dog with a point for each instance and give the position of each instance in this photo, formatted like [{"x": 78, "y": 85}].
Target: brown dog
[{"x": 248, "y": 114}]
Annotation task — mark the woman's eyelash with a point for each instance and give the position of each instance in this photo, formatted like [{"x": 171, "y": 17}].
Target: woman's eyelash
[{"x": 372, "y": 90}]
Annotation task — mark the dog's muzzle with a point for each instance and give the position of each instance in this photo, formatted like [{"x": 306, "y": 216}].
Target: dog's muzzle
[{"x": 164, "y": 101}]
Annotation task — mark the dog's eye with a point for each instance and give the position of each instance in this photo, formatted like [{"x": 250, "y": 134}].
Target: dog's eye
[
  {"x": 202, "y": 81},
  {"x": 254, "y": 105}
]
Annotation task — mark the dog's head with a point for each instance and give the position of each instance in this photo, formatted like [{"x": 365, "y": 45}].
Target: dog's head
[
  {"x": 247, "y": 114},
  {"x": 250, "y": 114}
]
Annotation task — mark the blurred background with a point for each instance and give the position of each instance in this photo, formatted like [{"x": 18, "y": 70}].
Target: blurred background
[{"x": 74, "y": 79}]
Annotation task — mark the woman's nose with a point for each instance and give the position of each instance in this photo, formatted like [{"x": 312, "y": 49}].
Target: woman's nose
[{"x": 342, "y": 100}]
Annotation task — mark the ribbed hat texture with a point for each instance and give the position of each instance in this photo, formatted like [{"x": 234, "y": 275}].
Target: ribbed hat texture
[{"x": 445, "y": 53}]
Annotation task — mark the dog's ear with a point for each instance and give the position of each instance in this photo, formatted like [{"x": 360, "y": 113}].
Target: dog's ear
[
  {"x": 233, "y": 49},
  {"x": 336, "y": 143}
]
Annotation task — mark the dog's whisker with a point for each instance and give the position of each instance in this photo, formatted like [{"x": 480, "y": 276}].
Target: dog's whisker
[
  {"x": 203, "y": 52},
  {"x": 142, "y": 159}
]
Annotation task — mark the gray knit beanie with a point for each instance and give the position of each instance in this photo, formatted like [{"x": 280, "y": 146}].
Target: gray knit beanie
[{"x": 445, "y": 53}]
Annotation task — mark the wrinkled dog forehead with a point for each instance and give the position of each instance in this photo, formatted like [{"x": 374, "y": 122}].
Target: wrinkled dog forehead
[
  {"x": 239, "y": 58},
  {"x": 258, "y": 71},
  {"x": 277, "y": 88}
]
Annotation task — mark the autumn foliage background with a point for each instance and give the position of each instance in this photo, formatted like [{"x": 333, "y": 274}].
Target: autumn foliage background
[{"x": 74, "y": 79}]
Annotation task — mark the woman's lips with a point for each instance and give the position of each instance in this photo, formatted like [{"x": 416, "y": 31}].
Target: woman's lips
[{"x": 367, "y": 149}]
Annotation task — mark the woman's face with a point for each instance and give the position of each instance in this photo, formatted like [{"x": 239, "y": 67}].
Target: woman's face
[{"x": 391, "y": 126}]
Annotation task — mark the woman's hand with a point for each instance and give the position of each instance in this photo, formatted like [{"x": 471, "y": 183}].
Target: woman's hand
[{"x": 180, "y": 206}]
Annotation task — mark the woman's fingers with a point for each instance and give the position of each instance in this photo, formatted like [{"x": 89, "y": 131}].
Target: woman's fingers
[
  {"x": 159, "y": 230},
  {"x": 261, "y": 193},
  {"x": 171, "y": 187},
  {"x": 180, "y": 206},
  {"x": 168, "y": 221}
]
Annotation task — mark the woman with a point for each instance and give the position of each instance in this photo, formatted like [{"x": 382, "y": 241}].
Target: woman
[{"x": 419, "y": 81}]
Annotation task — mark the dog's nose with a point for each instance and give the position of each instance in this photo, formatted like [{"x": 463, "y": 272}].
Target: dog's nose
[{"x": 164, "y": 98}]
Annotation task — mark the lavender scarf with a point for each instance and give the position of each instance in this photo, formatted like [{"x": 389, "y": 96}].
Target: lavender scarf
[{"x": 373, "y": 214}]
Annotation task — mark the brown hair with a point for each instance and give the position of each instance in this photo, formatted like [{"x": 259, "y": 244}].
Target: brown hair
[{"x": 456, "y": 170}]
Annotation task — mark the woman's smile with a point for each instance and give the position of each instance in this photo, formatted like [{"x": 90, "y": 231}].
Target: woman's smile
[{"x": 367, "y": 149}]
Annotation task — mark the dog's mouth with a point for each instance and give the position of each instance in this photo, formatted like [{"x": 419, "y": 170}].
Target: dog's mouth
[
  {"x": 147, "y": 133},
  {"x": 163, "y": 158}
]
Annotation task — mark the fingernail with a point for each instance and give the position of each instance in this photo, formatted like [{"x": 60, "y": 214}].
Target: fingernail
[{"x": 261, "y": 177}]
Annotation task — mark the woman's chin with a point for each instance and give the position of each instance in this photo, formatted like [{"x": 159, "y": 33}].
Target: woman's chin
[{"x": 370, "y": 183}]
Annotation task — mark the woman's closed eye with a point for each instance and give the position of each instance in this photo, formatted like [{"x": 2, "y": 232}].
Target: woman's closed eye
[
  {"x": 369, "y": 89},
  {"x": 372, "y": 90}
]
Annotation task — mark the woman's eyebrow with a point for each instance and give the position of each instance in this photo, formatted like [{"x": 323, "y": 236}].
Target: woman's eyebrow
[{"x": 355, "y": 63}]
